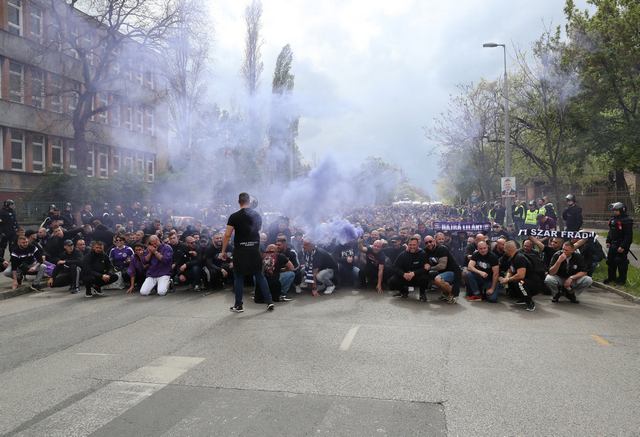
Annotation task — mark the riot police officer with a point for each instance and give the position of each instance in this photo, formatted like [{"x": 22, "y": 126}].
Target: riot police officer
[
  {"x": 8, "y": 225},
  {"x": 619, "y": 241},
  {"x": 572, "y": 216}
]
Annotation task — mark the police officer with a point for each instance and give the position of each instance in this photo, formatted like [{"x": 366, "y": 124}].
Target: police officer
[
  {"x": 67, "y": 216},
  {"x": 572, "y": 216},
  {"x": 8, "y": 225},
  {"x": 619, "y": 241},
  {"x": 518, "y": 214},
  {"x": 531, "y": 216}
]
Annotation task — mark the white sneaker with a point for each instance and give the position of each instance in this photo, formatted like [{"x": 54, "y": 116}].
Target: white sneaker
[
  {"x": 298, "y": 289},
  {"x": 329, "y": 289}
]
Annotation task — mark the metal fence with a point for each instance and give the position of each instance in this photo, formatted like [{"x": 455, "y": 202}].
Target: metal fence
[
  {"x": 32, "y": 212},
  {"x": 595, "y": 203}
]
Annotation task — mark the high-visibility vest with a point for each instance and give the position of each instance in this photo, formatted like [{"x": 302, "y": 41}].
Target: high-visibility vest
[{"x": 531, "y": 217}]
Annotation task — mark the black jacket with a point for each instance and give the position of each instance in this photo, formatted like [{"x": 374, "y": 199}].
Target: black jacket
[
  {"x": 620, "y": 232},
  {"x": 572, "y": 217},
  {"x": 94, "y": 265},
  {"x": 411, "y": 262},
  {"x": 28, "y": 255},
  {"x": 72, "y": 259},
  {"x": 8, "y": 221}
]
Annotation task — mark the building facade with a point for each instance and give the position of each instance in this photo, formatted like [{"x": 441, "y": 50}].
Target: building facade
[{"x": 37, "y": 100}]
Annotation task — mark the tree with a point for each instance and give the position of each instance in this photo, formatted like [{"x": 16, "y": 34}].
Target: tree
[
  {"x": 102, "y": 36},
  {"x": 283, "y": 130},
  {"x": 187, "y": 50},
  {"x": 607, "y": 47},
  {"x": 253, "y": 66},
  {"x": 542, "y": 92}
]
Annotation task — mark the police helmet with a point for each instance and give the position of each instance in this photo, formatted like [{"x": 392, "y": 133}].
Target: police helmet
[
  {"x": 618, "y": 206},
  {"x": 532, "y": 203},
  {"x": 570, "y": 198},
  {"x": 8, "y": 203}
]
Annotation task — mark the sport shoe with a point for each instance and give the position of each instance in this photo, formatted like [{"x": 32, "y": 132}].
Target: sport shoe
[
  {"x": 74, "y": 290},
  {"x": 521, "y": 302},
  {"x": 572, "y": 298},
  {"x": 473, "y": 298},
  {"x": 298, "y": 289},
  {"x": 451, "y": 299},
  {"x": 36, "y": 287},
  {"x": 423, "y": 297},
  {"x": 397, "y": 294},
  {"x": 556, "y": 297},
  {"x": 608, "y": 281},
  {"x": 285, "y": 299},
  {"x": 96, "y": 291},
  {"x": 443, "y": 297},
  {"x": 237, "y": 309},
  {"x": 531, "y": 306},
  {"x": 270, "y": 307},
  {"x": 88, "y": 294},
  {"x": 329, "y": 289}
]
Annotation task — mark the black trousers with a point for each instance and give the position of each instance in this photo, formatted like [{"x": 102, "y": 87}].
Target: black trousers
[
  {"x": 617, "y": 264},
  {"x": 397, "y": 282},
  {"x": 528, "y": 288},
  {"x": 97, "y": 282},
  {"x": 67, "y": 275}
]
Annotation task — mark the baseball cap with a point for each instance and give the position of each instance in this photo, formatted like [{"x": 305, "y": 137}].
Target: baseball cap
[{"x": 68, "y": 243}]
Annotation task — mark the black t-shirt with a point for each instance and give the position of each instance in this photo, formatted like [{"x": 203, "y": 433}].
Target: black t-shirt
[
  {"x": 375, "y": 259},
  {"x": 519, "y": 261},
  {"x": 571, "y": 266},
  {"x": 272, "y": 263},
  {"x": 246, "y": 224},
  {"x": 485, "y": 263},
  {"x": 439, "y": 252}
]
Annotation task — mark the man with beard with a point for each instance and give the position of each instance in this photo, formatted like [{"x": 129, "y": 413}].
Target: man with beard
[
  {"x": 482, "y": 275},
  {"x": 97, "y": 270},
  {"x": 245, "y": 225},
  {"x": 567, "y": 274},
  {"x": 274, "y": 264},
  {"x": 26, "y": 259},
  {"x": 289, "y": 277},
  {"x": 68, "y": 269},
  {"x": 442, "y": 268},
  {"x": 220, "y": 271},
  {"x": 373, "y": 271},
  {"x": 158, "y": 257},
  {"x": 319, "y": 268},
  {"x": 409, "y": 267}
]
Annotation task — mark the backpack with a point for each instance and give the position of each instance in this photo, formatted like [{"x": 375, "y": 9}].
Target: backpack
[
  {"x": 598, "y": 251},
  {"x": 536, "y": 264}
]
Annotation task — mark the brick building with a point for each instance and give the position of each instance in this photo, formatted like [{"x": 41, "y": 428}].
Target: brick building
[{"x": 35, "y": 105}]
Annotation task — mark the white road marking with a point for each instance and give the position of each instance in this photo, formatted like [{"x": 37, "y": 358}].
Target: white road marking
[
  {"x": 95, "y": 354},
  {"x": 99, "y": 408},
  {"x": 348, "y": 339}
]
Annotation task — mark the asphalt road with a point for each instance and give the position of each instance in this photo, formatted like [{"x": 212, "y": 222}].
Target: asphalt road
[{"x": 351, "y": 364}]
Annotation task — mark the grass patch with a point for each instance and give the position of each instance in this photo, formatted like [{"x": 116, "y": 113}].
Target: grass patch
[
  {"x": 633, "y": 278},
  {"x": 603, "y": 234}
]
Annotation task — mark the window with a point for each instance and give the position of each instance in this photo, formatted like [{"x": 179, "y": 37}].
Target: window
[
  {"x": 16, "y": 82},
  {"x": 17, "y": 150},
  {"x": 55, "y": 93},
  {"x": 128, "y": 164},
  {"x": 103, "y": 102},
  {"x": 139, "y": 119},
  {"x": 103, "y": 165},
  {"x": 72, "y": 96},
  {"x": 114, "y": 112},
  {"x": 150, "y": 121},
  {"x": 37, "y": 153},
  {"x": 150, "y": 170},
  {"x": 37, "y": 88},
  {"x": 139, "y": 76},
  {"x": 90, "y": 164},
  {"x": 115, "y": 162},
  {"x": 128, "y": 115},
  {"x": 14, "y": 15},
  {"x": 57, "y": 160},
  {"x": 148, "y": 80},
  {"x": 35, "y": 23},
  {"x": 140, "y": 166},
  {"x": 73, "y": 165}
]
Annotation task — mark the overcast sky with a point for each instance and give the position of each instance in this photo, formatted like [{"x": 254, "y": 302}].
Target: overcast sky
[{"x": 371, "y": 74}]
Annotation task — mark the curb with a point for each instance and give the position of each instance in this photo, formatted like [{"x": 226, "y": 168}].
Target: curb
[
  {"x": 14, "y": 293},
  {"x": 624, "y": 294}
]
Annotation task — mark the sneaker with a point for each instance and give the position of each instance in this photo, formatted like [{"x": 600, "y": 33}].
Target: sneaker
[
  {"x": 196, "y": 288},
  {"x": 521, "y": 302},
  {"x": 96, "y": 292},
  {"x": 298, "y": 289},
  {"x": 270, "y": 307},
  {"x": 531, "y": 306},
  {"x": 36, "y": 287},
  {"x": 397, "y": 294},
  {"x": 608, "y": 281},
  {"x": 237, "y": 309},
  {"x": 556, "y": 297},
  {"x": 89, "y": 294},
  {"x": 451, "y": 299},
  {"x": 172, "y": 286},
  {"x": 285, "y": 299},
  {"x": 19, "y": 277},
  {"x": 473, "y": 298},
  {"x": 423, "y": 297},
  {"x": 443, "y": 297},
  {"x": 74, "y": 290},
  {"x": 329, "y": 289}
]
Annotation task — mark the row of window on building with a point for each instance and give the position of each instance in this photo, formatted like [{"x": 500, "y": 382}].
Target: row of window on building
[
  {"x": 27, "y": 19},
  {"x": 37, "y": 153},
  {"x": 43, "y": 90}
]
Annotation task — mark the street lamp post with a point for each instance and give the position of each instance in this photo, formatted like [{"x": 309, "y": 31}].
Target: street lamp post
[{"x": 507, "y": 145}]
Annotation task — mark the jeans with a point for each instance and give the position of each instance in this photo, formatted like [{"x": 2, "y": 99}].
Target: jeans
[
  {"x": 324, "y": 279},
  {"x": 261, "y": 283},
  {"x": 476, "y": 283},
  {"x": 556, "y": 283},
  {"x": 286, "y": 280}
]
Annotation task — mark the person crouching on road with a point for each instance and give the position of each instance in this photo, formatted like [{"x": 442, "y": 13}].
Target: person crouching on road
[{"x": 97, "y": 270}]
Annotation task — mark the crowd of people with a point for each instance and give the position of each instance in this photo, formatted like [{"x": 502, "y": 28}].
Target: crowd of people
[{"x": 403, "y": 248}]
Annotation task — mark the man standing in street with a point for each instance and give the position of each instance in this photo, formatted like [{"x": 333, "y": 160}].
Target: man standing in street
[
  {"x": 245, "y": 225},
  {"x": 619, "y": 242},
  {"x": 8, "y": 225}
]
